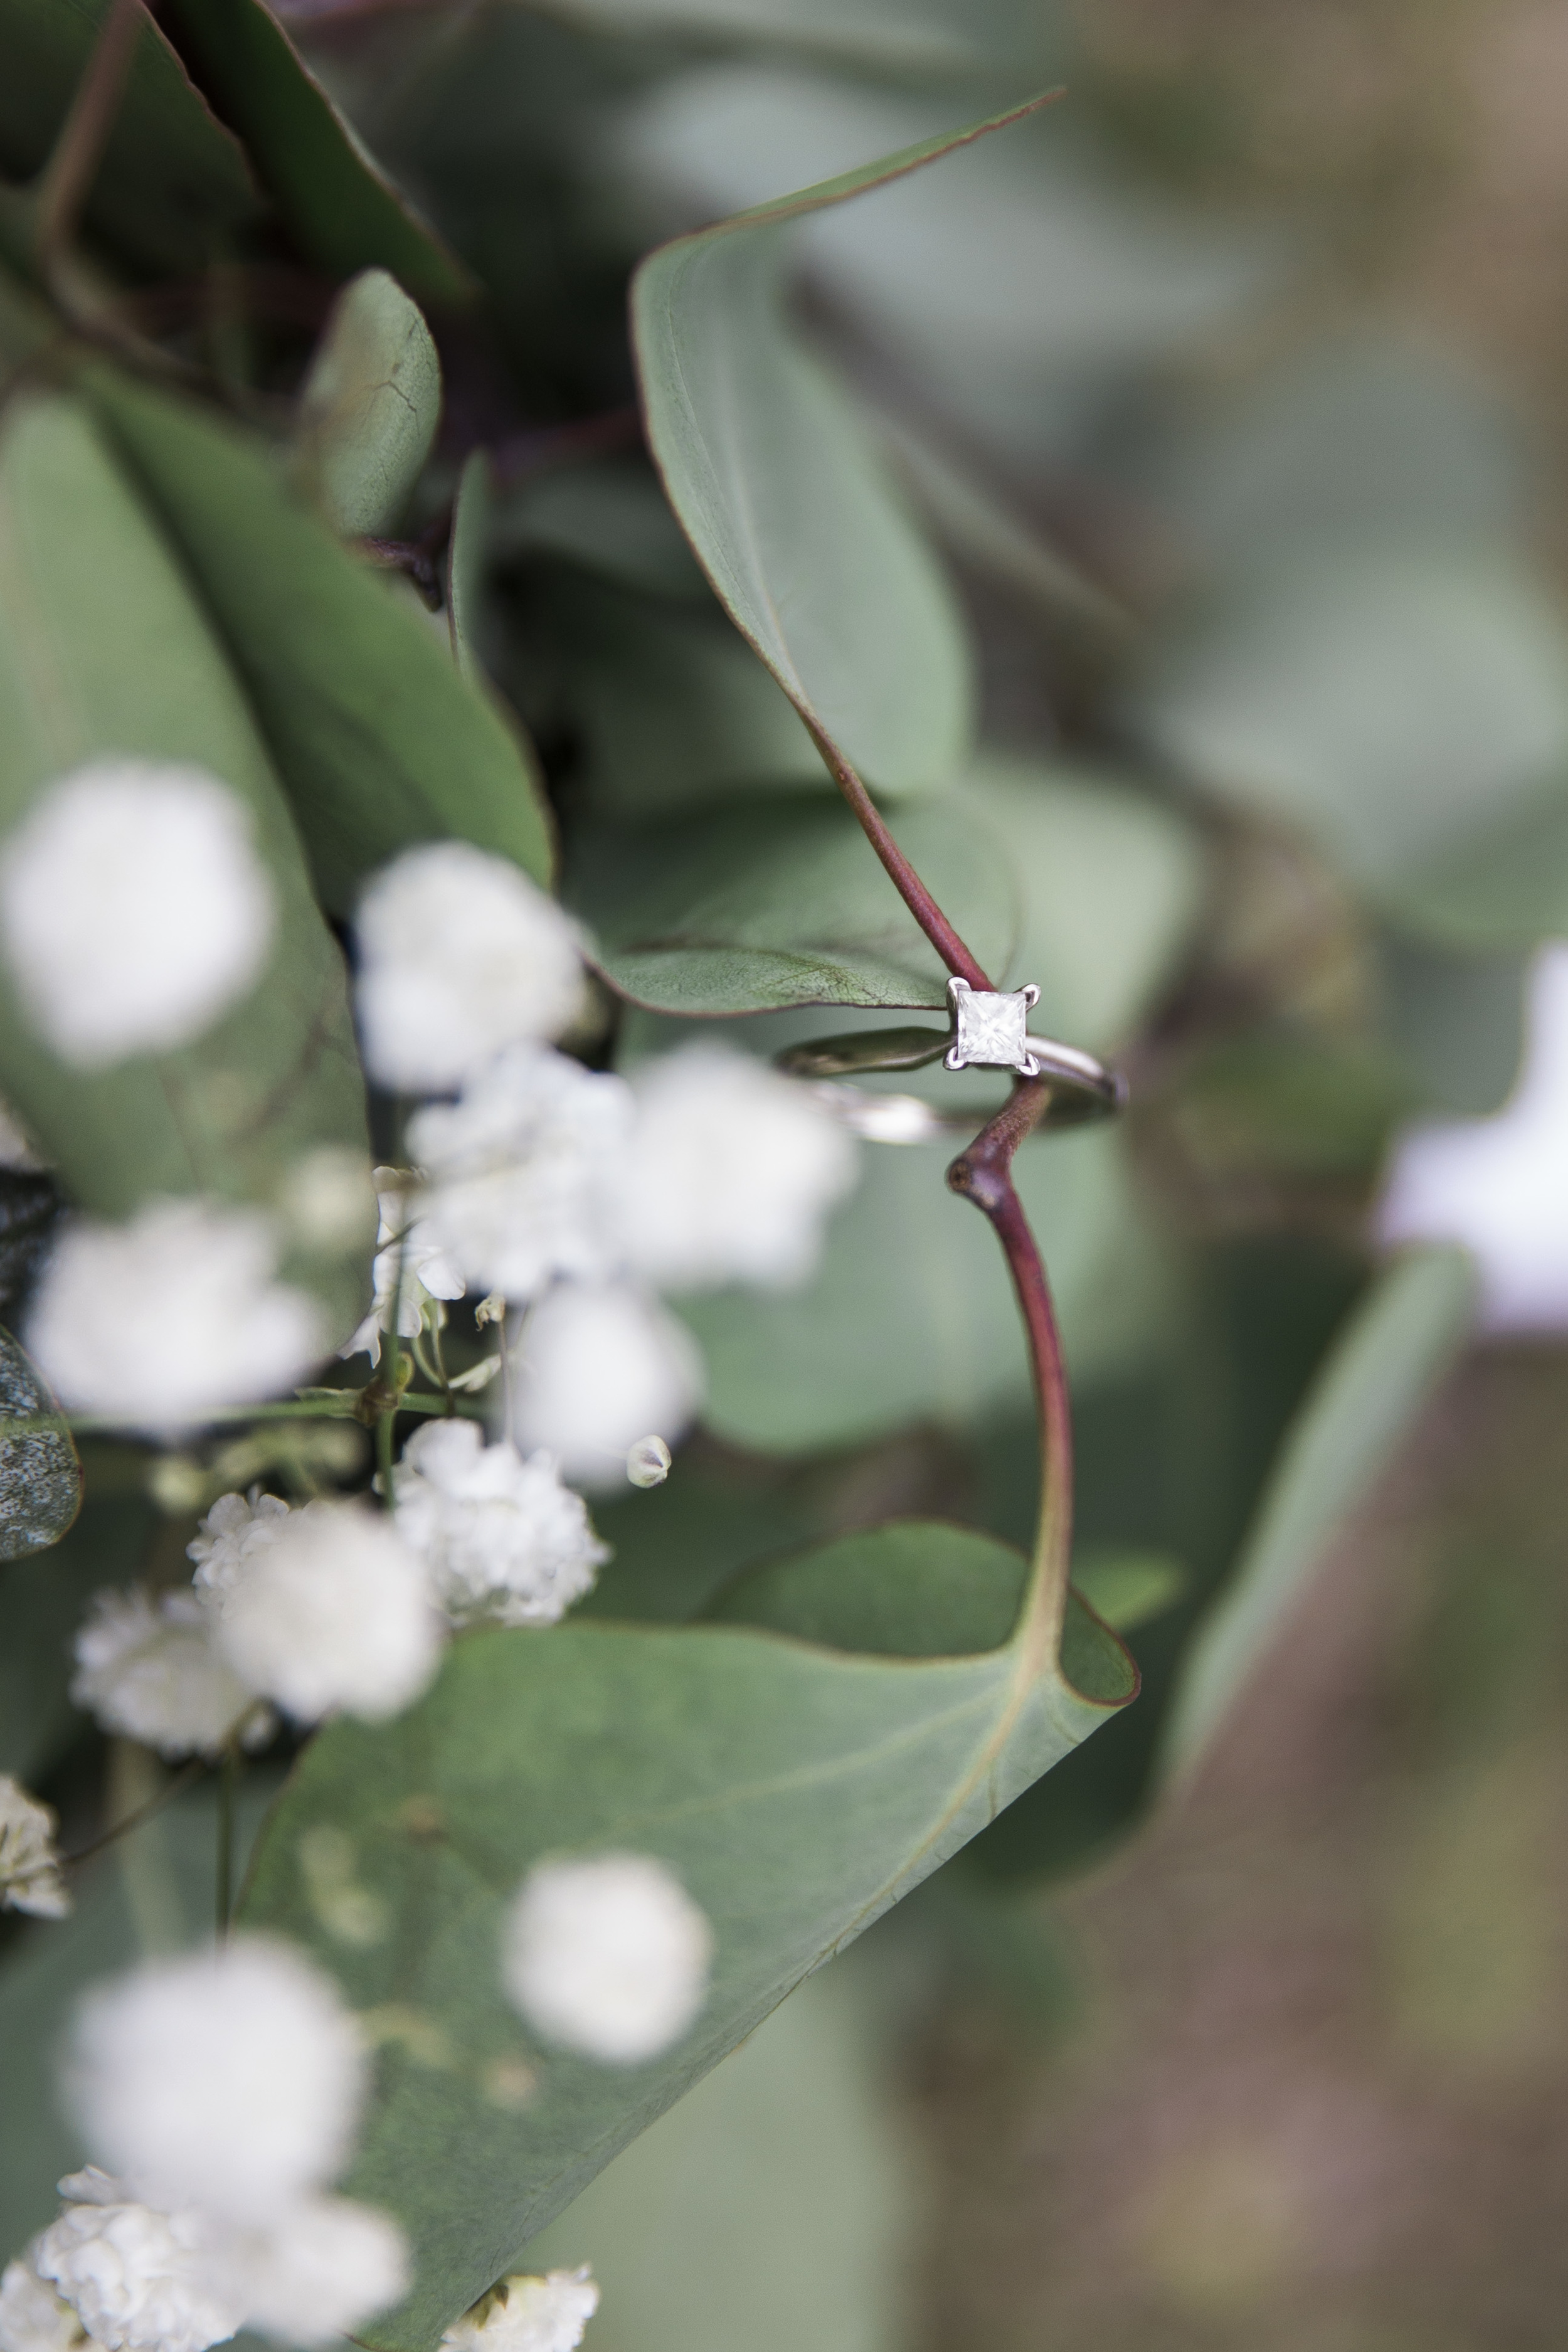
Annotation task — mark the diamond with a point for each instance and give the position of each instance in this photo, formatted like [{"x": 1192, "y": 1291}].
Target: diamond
[{"x": 992, "y": 1027}]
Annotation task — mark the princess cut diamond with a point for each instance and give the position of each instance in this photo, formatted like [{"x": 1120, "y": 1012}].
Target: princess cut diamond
[{"x": 991, "y": 1028}]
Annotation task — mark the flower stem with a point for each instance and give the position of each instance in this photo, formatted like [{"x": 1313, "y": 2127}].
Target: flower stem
[
  {"x": 983, "y": 1173},
  {"x": 67, "y": 178},
  {"x": 172, "y": 1787},
  {"x": 900, "y": 873},
  {"x": 228, "y": 1776}
]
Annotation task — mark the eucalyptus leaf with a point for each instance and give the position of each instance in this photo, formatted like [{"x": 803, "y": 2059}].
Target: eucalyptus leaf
[
  {"x": 369, "y": 407},
  {"x": 608, "y": 517},
  {"x": 796, "y": 1787},
  {"x": 40, "y": 1477},
  {"x": 768, "y": 466},
  {"x": 1363, "y": 1405},
  {"x": 1126, "y": 1589},
  {"x": 173, "y": 186},
  {"x": 341, "y": 208},
  {"x": 1455, "y": 1021},
  {"x": 103, "y": 653},
  {"x": 379, "y": 742},
  {"x": 466, "y": 553},
  {"x": 781, "y": 901}
]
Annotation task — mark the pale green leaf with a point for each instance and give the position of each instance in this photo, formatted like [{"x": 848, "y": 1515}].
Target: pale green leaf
[
  {"x": 369, "y": 407},
  {"x": 610, "y": 517},
  {"x": 1363, "y": 1405},
  {"x": 796, "y": 1787},
  {"x": 378, "y": 740},
  {"x": 103, "y": 651},
  {"x": 40, "y": 1477},
  {"x": 1125, "y": 1589},
  {"x": 466, "y": 554}
]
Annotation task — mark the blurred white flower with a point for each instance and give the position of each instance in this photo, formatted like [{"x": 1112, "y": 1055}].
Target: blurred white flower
[
  {"x": 32, "y": 2317},
  {"x": 406, "y": 1243},
  {"x": 230, "y": 2080},
  {"x": 502, "y": 1538},
  {"x": 527, "y": 2313},
  {"x": 648, "y": 1462},
  {"x": 29, "y": 1865},
  {"x": 237, "y": 1526},
  {"x": 609, "y": 1957},
  {"x": 333, "y": 1610},
  {"x": 146, "y": 1669},
  {"x": 731, "y": 1172},
  {"x": 601, "y": 1365},
  {"x": 162, "y": 1319},
  {"x": 1500, "y": 1185},
  {"x": 133, "y": 2275},
  {"x": 327, "y": 1200},
  {"x": 134, "y": 910},
  {"x": 519, "y": 1171},
  {"x": 460, "y": 955},
  {"x": 320, "y": 2270}
]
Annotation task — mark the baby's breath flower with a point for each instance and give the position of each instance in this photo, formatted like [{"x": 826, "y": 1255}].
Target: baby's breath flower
[
  {"x": 731, "y": 1173},
  {"x": 135, "y": 910},
  {"x": 610, "y": 1957},
  {"x": 147, "y": 1669},
  {"x": 29, "y": 1866},
  {"x": 331, "y": 1611},
  {"x": 319, "y": 2271},
  {"x": 500, "y": 1536},
  {"x": 32, "y": 2317},
  {"x": 132, "y": 2275},
  {"x": 648, "y": 1462},
  {"x": 600, "y": 1366},
  {"x": 527, "y": 2313},
  {"x": 228, "y": 2080},
  {"x": 460, "y": 955},
  {"x": 162, "y": 1319},
  {"x": 234, "y": 1530},
  {"x": 519, "y": 1169},
  {"x": 412, "y": 1265}
]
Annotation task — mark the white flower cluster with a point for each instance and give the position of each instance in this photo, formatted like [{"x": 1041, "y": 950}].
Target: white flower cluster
[
  {"x": 527, "y": 2313},
  {"x": 29, "y": 1866},
  {"x": 501, "y": 1538},
  {"x": 313, "y": 1610},
  {"x": 566, "y": 1191},
  {"x": 610, "y": 1957},
  {"x": 225, "y": 2089}
]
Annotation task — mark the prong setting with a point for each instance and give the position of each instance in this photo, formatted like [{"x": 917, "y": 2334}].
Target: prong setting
[{"x": 991, "y": 1028}]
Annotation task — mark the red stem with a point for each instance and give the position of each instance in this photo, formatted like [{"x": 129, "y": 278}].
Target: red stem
[{"x": 900, "y": 873}]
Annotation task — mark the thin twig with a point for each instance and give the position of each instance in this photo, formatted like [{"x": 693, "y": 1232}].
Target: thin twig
[
  {"x": 66, "y": 181},
  {"x": 900, "y": 873},
  {"x": 228, "y": 1775},
  {"x": 154, "y": 1804}
]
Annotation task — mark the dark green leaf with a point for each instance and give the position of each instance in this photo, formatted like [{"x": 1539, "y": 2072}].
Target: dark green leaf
[
  {"x": 795, "y": 1788},
  {"x": 40, "y": 1477},
  {"x": 101, "y": 651},
  {"x": 1125, "y": 1589},
  {"x": 466, "y": 553},
  {"x": 767, "y": 466},
  {"x": 369, "y": 408},
  {"x": 781, "y": 902},
  {"x": 1366, "y": 1402},
  {"x": 42, "y": 1602},
  {"x": 341, "y": 208},
  {"x": 379, "y": 741},
  {"x": 610, "y": 517},
  {"x": 1456, "y": 1022}
]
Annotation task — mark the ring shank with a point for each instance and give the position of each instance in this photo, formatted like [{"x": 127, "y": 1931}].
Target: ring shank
[{"x": 1082, "y": 1089}]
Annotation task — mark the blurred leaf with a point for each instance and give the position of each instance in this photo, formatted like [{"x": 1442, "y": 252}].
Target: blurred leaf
[
  {"x": 173, "y": 187},
  {"x": 774, "y": 2206},
  {"x": 1125, "y": 1589},
  {"x": 794, "y": 1789},
  {"x": 910, "y": 1316},
  {"x": 672, "y": 708},
  {"x": 782, "y": 901},
  {"x": 1457, "y": 1021},
  {"x": 767, "y": 463},
  {"x": 1409, "y": 709},
  {"x": 892, "y": 35},
  {"x": 343, "y": 209},
  {"x": 101, "y": 652},
  {"x": 675, "y": 1545},
  {"x": 369, "y": 407},
  {"x": 466, "y": 553},
  {"x": 608, "y": 517},
  {"x": 1363, "y": 1405},
  {"x": 1112, "y": 883},
  {"x": 28, "y": 1207},
  {"x": 378, "y": 740},
  {"x": 40, "y": 1477},
  {"x": 1287, "y": 1102},
  {"x": 42, "y": 1602}
]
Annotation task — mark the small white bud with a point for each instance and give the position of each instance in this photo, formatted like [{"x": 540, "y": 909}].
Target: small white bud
[{"x": 648, "y": 1462}]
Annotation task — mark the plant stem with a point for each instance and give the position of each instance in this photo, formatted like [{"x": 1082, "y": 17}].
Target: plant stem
[
  {"x": 229, "y": 1776},
  {"x": 900, "y": 873},
  {"x": 64, "y": 184},
  {"x": 172, "y": 1789},
  {"x": 983, "y": 1173}
]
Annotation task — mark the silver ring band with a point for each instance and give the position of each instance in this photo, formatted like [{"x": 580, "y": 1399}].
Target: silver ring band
[{"x": 1082, "y": 1089}]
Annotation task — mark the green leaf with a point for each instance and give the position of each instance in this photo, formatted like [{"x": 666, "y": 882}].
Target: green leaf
[
  {"x": 797, "y": 1786},
  {"x": 910, "y": 1317},
  {"x": 341, "y": 208},
  {"x": 1407, "y": 708},
  {"x": 1366, "y": 1402},
  {"x": 369, "y": 408},
  {"x": 1456, "y": 1022},
  {"x": 923, "y": 36},
  {"x": 1125, "y": 1589},
  {"x": 609, "y": 518},
  {"x": 465, "y": 552},
  {"x": 102, "y": 652},
  {"x": 173, "y": 187},
  {"x": 379, "y": 742},
  {"x": 672, "y": 710},
  {"x": 780, "y": 902},
  {"x": 43, "y": 1599},
  {"x": 767, "y": 466},
  {"x": 40, "y": 1477}
]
